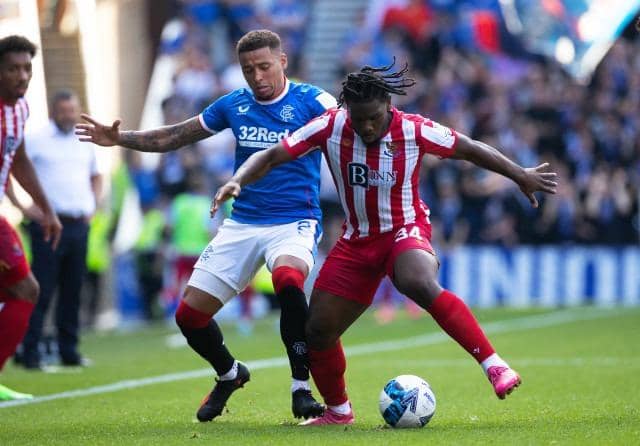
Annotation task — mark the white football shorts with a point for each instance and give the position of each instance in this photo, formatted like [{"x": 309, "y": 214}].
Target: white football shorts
[{"x": 238, "y": 251}]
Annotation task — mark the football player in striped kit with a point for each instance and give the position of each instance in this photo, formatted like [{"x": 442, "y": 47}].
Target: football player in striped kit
[
  {"x": 374, "y": 152},
  {"x": 18, "y": 287}
]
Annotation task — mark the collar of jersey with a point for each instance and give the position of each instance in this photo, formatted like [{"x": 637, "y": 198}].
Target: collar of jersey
[
  {"x": 9, "y": 104},
  {"x": 280, "y": 96}
]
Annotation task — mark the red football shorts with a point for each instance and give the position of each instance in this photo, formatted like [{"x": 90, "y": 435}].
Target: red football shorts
[
  {"x": 354, "y": 268},
  {"x": 13, "y": 263}
]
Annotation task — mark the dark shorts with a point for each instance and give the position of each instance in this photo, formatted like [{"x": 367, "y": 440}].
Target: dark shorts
[
  {"x": 13, "y": 263},
  {"x": 354, "y": 268}
]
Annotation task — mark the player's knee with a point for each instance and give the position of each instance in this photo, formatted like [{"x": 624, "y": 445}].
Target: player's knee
[
  {"x": 422, "y": 290},
  {"x": 285, "y": 276},
  {"x": 319, "y": 334},
  {"x": 180, "y": 316},
  {"x": 188, "y": 318}
]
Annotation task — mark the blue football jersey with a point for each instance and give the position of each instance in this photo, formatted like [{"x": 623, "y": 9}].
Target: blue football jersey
[{"x": 288, "y": 192}]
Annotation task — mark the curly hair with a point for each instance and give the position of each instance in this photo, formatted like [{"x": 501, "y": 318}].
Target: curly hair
[
  {"x": 261, "y": 38},
  {"x": 16, "y": 44},
  {"x": 374, "y": 83}
]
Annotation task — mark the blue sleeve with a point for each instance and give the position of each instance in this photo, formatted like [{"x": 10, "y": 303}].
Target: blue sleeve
[{"x": 213, "y": 118}]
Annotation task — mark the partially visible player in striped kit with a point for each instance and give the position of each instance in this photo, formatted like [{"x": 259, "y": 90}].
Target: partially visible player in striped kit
[
  {"x": 374, "y": 152},
  {"x": 18, "y": 287}
]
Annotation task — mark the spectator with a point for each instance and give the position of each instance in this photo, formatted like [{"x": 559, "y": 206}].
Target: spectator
[{"x": 67, "y": 169}]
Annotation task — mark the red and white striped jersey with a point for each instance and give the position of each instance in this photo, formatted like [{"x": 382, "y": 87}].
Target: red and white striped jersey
[
  {"x": 12, "y": 120},
  {"x": 377, "y": 184}
]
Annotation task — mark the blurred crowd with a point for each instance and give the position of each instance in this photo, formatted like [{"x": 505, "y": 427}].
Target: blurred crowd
[{"x": 468, "y": 77}]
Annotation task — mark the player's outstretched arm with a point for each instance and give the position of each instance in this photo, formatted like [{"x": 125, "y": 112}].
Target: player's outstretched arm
[
  {"x": 530, "y": 180},
  {"x": 254, "y": 168},
  {"x": 161, "y": 139}
]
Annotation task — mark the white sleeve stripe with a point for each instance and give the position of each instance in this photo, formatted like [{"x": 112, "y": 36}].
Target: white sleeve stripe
[
  {"x": 315, "y": 126},
  {"x": 307, "y": 131},
  {"x": 438, "y": 134},
  {"x": 326, "y": 100},
  {"x": 204, "y": 124}
]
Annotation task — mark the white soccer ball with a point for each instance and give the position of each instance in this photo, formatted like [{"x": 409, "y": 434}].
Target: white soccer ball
[{"x": 407, "y": 401}]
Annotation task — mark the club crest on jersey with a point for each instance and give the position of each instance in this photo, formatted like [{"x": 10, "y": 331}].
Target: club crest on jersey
[
  {"x": 391, "y": 149},
  {"x": 243, "y": 109},
  {"x": 287, "y": 113},
  {"x": 361, "y": 175}
]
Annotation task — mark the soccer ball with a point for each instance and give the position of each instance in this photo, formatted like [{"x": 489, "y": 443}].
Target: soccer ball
[{"x": 407, "y": 401}]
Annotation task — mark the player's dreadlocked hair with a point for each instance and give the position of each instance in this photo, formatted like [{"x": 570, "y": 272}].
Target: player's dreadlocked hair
[{"x": 374, "y": 83}]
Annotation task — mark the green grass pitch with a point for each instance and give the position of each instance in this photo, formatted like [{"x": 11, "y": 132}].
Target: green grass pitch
[{"x": 580, "y": 371}]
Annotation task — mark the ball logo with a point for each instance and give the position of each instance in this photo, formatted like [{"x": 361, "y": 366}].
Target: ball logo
[
  {"x": 410, "y": 399},
  {"x": 428, "y": 396}
]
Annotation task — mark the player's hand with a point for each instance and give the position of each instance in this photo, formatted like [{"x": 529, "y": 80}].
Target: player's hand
[
  {"x": 226, "y": 191},
  {"x": 52, "y": 228},
  {"x": 538, "y": 179},
  {"x": 98, "y": 133}
]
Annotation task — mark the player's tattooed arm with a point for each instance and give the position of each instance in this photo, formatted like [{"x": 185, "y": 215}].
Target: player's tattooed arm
[
  {"x": 164, "y": 139},
  {"x": 161, "y": 139}
]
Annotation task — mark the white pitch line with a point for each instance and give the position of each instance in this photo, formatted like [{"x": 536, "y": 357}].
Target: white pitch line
[
  {"x": 510, "y": 325},
  {"x": 596, "y": 361}
]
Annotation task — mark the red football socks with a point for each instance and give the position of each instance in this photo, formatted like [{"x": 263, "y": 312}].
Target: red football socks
[
  {"x": 189, "y": 317},
  {"x": 327, "y": 368},
  {"x": 14, "y": 321},
  {"x": 457, "y": 320},
  {"x": 286, "y": 276}
]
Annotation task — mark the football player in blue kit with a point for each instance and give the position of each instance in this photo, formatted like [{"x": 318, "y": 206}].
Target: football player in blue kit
[{"x": 274, "y": 221}]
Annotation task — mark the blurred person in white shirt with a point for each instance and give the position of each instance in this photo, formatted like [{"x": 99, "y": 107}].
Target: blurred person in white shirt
[{"x": 68, "y": 172}]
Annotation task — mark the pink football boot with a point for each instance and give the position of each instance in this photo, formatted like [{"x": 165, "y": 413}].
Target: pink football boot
[
  {"x": 330, "y": 417},
  {"x": 504, "y": 380}
]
